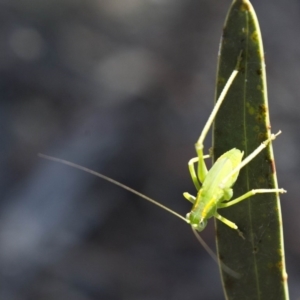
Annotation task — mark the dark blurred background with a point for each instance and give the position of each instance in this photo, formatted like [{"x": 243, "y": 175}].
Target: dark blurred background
[{"x": 123, "y": 87}]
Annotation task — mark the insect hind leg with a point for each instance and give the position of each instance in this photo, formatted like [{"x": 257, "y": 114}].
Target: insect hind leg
[
  {"x": 249, "y": 194},
  {"x": 262, "y": 146}
]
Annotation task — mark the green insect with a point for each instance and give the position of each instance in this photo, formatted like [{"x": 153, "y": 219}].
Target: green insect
[{"x": 214, "y": 186}]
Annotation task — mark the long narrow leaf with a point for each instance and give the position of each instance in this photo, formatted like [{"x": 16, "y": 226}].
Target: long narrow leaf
[{"x": 243, "y": 123}]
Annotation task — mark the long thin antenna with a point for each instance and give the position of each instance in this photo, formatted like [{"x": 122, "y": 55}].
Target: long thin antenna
[
  {"x": 198, "y": 237},
  {"x": 68, "y": 163},
  {"x": 214, "y": 256}
]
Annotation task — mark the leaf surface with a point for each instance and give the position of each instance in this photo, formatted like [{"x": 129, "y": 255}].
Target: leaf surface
[{"x": 243, "y": 123}]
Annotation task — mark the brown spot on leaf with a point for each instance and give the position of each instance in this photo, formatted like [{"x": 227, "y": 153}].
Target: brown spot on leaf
[
  {"x": 255, "y": 36},
  {"x": 259, "y": 118},
  {"x": 273, "y": 166},
  {"x": 263, "y": 109},
  {"x": 262, "y": 137},
  {"x": 279, "y": 265}
]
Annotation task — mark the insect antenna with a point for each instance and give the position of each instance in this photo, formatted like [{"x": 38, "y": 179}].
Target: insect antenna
[
  {"x": 214, "y": 256},
  {"x": 121, "y": 185},
  {"x": 115, "y": 182}
]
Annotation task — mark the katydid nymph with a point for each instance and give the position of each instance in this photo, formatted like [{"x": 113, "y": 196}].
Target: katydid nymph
[{"x": 214, "y": 186}]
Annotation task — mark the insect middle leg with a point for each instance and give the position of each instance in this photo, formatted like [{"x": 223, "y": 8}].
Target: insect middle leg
[
  {"x": 191, "y": 164},
  {"x": 197, "y": 182}
]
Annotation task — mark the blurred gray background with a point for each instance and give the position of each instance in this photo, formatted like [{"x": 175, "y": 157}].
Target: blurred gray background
[{"x": 123, "y": 87}]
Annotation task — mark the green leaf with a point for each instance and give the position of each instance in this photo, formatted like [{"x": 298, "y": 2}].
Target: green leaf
[{"x": 243, "y": 123}]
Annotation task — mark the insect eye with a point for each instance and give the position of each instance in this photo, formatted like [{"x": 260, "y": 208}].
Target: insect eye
[{"x": 202, "y": 225}]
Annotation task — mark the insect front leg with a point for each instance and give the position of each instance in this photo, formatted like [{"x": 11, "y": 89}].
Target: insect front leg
[
  {"x": 229, "y": 224},
  {"x": 226, "y": 221},
  {"x": 189, "y": 197}
]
